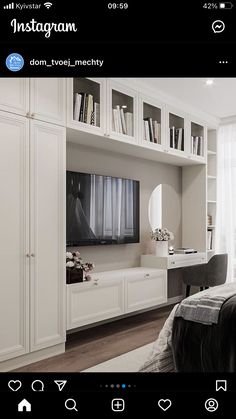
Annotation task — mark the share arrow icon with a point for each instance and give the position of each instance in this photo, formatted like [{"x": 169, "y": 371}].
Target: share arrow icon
[{"x": 60, "y": 383}]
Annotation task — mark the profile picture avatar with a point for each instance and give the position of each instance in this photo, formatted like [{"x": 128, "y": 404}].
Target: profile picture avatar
[{"x": 14, "y": 62}]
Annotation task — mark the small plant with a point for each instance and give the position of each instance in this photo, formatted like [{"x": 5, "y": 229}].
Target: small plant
[{"x": 162, "y": 234}]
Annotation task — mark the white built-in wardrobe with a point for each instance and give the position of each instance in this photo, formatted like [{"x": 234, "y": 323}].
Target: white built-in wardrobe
[{"x": 32, "y": 219}]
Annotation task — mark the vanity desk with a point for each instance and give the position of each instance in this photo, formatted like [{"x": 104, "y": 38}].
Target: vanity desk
[
  {"x": 172, "y": 264},
  {"x": 173, "y": 261}
]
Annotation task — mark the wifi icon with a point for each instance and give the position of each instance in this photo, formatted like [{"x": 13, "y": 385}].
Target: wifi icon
[{"x": 48, "y": 5}]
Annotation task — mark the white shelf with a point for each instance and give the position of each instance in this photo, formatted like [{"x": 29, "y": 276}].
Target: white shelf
[
  {"x": 211, "y": 177},
  {"x": 211, "y": 153},
  {"x": 209, "y": 201},
  {"x": 211, "y": 226},
  {"x": 118, "y": 145},
  {"x": 210, "y": 250}
]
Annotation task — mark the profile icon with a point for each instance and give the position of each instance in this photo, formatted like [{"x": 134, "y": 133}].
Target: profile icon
[
  {"x": 211, "y": 405},
  {"x": 14, "y": 62}
]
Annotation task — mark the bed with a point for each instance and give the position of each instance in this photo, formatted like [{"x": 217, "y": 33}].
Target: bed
[{"x": 199, "y": 335}]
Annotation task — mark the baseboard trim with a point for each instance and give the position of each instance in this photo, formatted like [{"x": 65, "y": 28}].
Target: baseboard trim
[{"x": 21, "y": 361}]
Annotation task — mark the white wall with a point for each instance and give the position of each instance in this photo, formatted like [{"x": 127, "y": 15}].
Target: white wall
[{"x": 150, "y": 174}]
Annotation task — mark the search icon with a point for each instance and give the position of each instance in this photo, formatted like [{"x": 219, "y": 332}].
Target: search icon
[{"x": 70, "y": 404}]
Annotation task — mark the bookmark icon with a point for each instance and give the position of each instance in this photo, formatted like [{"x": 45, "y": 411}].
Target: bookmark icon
[{"x": 60, "y": 384}]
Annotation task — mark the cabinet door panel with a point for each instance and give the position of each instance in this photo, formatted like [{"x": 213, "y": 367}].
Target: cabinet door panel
[
  {"x": 92, "y": 302},
  {"x": 47, "y": 199},
  {"x": 14, "y": 95},
  {"x": 14, "y": 230},
  {"x": 47, "y": 100},
  {"x": 145, "y": 292}
]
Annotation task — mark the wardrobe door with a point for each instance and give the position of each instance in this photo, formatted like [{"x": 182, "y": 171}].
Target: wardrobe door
[
  {"x": 48, "y": 100},
  {"x": 14, "y": 95},
  {"x": 47, "y": 234},
  {"x": 14, "y": 234}
]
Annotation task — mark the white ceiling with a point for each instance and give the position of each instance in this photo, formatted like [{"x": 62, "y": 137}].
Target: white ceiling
[{"x": 218, "y": 100}]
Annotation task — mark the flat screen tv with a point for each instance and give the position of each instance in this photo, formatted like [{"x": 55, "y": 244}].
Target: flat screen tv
[{"x": 101, "y": 210}]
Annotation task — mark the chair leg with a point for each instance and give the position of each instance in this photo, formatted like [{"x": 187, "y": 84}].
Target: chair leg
[
  {"x": 187, "y": 290},
  {"x": 201, "y": 288}
]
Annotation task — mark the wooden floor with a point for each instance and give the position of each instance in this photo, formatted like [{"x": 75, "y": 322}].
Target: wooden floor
[{"x": 89, "y": 347}]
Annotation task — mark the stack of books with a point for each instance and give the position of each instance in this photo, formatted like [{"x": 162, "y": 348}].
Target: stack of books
[
  {"x": 86, "y": 109},
  {"x": 122, "y": 121},
  {"x": 209, "y": 220},
  {"x": 197, "y": 145},
  {"x": 152, "y": 130},
  {"x": 177, "y": 138},
  {"x": 184, "y": 250}
]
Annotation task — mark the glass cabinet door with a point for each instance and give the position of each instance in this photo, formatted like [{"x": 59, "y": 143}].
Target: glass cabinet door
[
  {"x": 123, "y": 112},
  {"x": 152, "y": 129},
  {"x": 86, "y": 104}
]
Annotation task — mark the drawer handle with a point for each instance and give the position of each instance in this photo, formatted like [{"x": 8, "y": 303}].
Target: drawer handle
[
  {"x": 96, "y": 281},
  {"x": 172, "y": 263},
  {"x": 147, "y": 275}
]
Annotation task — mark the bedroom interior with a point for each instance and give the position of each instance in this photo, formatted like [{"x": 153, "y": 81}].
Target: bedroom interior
[{"x": 115, "y": 195}]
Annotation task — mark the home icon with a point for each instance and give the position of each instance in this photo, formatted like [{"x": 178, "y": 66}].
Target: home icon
[{"x": 24, "y": 406}]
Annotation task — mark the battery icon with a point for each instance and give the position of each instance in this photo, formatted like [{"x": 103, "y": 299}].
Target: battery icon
[{"x": 228, "y": 5}]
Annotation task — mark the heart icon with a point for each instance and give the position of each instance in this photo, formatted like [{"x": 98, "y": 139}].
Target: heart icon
[
  {"x": 164, "y": 404},
  {"x": 14, "y": 385}
]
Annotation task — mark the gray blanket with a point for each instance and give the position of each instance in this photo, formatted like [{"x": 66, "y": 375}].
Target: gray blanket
[{"x": 204, "y": 307}]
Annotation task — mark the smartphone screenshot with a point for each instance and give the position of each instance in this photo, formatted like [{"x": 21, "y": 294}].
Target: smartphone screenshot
[{"x": 117, "y": 209}]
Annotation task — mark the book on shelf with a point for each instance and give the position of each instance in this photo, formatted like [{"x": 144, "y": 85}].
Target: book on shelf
[
  {"x": 197, "y": 145},
  {"x": 179, "y": 138},
  {"x": 119, "y": 119},
  {"x": 77, "y": 104},
  {"x": 96, "y": 111},
  {"x": 157, "y": 132},
  {"x": 89, "y": 108},
  {"x": 115, "y": 124},
  {"x": 184, "y": 250},
  {"x": 83, "y": 108},
  {"x": 146, "y": 131},
  {"x": 129, "y": 123},
  {"x": 172, "y": 137},
  {"x": 122, "y": 122},
  {"x": 209, "y": 239},
  {"x": 150, "y": 128},
  {"x": 176, "y": 138}
]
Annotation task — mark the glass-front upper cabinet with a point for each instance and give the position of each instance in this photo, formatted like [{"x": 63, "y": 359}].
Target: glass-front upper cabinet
[
  {"x": 86, "y": 102},
  {"x": 122, "y": 110},
  {"x": 152, "y": 123}
]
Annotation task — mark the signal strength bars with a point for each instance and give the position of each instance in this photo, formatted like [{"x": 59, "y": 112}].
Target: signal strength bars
[{"x": 9, "y": 6}]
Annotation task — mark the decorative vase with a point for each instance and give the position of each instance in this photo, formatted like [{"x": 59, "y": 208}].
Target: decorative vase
[
  {"x": 162, "y": 248},
  {"x": 74, "y": 275}
]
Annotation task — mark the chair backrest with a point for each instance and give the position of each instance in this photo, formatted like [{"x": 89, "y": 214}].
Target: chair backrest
[{"x": 216, "y": 270}]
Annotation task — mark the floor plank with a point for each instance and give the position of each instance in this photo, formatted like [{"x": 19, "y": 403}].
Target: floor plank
[{"x": 89, "y": 347}]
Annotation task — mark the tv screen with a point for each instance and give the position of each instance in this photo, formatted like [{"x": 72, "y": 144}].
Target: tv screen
[{"x": 101, "y": 209}]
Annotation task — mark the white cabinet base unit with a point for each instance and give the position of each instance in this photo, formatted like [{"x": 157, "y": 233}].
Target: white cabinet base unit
[{"x": 114, "y": 293}]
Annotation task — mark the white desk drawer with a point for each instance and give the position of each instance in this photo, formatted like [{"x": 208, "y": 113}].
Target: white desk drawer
[{"x": 185, "y": 260}]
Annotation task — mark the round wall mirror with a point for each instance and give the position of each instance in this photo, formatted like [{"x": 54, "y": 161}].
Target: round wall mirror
[{"x": 164, "y": 209}]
